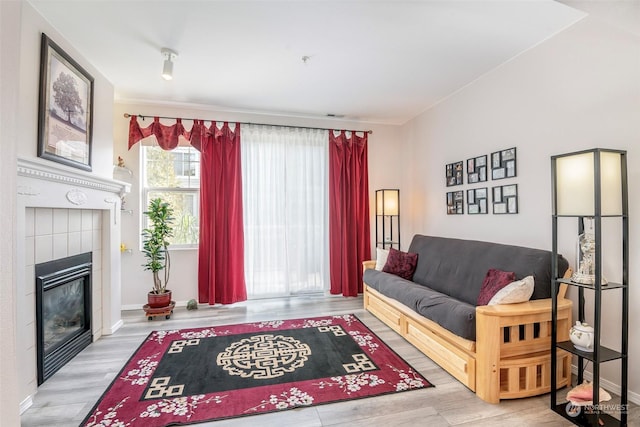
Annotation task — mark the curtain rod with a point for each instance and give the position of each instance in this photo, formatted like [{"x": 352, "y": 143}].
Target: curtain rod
[{"x": 127, "y": 115}]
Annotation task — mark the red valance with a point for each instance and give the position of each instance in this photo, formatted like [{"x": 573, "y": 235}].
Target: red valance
[{"x": 167, "y": 136}]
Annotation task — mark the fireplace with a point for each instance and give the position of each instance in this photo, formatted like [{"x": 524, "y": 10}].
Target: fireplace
[
  {"x": 64, "y": 212},
  {"x": 63, "y": 311}
]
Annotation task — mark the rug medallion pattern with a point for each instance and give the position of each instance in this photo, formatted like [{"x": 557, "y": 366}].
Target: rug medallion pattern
[
  {"x": 264, "y": 356},
  {"x": 204, "y": 374}
]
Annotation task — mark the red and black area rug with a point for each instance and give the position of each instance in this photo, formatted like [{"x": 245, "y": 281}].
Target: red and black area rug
[{"x": 194, "y": 375}]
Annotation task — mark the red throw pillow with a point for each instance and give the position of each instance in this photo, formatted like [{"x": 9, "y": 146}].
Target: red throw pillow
[
  {"x": 401, "y": 264},
  {"x": 493, "y": 282}
]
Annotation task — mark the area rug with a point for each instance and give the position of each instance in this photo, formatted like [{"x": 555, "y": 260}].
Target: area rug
[{"x": 205, "y": 374}]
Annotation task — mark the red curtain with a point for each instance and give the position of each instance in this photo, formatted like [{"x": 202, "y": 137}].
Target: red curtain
[
  {"x": 221, "y": 250},
  {"x": 349, "y": 232}
]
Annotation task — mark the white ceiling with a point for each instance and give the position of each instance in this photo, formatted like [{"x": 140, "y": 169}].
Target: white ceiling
[{"x": 373, "y": 61}]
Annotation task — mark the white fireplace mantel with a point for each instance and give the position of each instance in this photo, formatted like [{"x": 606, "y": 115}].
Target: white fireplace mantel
[
  {"x": 40, "y": 183},
  {"x": 45, "y": 184}
]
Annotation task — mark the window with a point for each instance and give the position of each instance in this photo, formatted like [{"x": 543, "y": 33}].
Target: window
[
  {"x": 174, "y": 176},
  {"x": 285, "y": 210}
]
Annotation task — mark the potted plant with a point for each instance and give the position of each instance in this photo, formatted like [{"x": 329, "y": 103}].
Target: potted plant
[{"x": 155, "y": 248}]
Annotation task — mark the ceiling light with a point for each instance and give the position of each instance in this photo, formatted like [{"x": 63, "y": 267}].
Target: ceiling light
[{"x": 167, "y": 69}]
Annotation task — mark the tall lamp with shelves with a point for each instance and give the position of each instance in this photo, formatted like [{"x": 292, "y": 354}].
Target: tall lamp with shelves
[
  {"x": 388, "y": 218},
  {"x": 591, "y": 185}
]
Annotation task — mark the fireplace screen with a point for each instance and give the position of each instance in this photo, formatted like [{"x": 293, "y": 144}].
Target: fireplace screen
[
  {"x": 62, "y": 313},
  {"x": 63, "y": 308}
]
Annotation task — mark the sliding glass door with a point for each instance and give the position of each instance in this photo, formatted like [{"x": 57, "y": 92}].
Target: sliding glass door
[{"x": 285, "y": 204}]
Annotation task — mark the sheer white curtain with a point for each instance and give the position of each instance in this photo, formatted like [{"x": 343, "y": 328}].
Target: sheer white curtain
[{"x": 285, "y": 196}]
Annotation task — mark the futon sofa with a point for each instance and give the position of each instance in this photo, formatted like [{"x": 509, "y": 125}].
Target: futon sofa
[{"x": 498, "y": 351}]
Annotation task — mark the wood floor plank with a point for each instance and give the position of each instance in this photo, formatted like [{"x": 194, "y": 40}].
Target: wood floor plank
[
  {"x": 66, "y": 398},
  {"x": 364, "y": 410}
]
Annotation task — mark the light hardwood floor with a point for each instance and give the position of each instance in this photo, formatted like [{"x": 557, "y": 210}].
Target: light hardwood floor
[{"x": 69, "y": 395}]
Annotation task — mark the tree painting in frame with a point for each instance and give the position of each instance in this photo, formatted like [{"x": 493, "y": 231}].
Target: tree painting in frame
[{"x": 65, "y": 121}]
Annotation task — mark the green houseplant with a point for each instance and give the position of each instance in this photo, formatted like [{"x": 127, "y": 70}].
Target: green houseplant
[{"x": 155, "y": 245}]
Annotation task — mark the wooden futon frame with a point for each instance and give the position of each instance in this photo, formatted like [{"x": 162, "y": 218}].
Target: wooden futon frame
[{"x": 511, "y": 357}]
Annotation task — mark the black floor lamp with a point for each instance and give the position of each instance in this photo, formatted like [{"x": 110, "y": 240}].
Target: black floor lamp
[{"x": 388, "y": 218}]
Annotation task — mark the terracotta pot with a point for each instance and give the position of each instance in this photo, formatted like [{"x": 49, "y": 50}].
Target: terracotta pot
[{"x": 159, "y": 300}]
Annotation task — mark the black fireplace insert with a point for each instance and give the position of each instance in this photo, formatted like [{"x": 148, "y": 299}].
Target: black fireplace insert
[{"x": 63, "y": 311}]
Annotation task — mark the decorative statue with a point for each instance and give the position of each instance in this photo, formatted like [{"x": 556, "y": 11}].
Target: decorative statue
[{"x": 585, "y": 253}]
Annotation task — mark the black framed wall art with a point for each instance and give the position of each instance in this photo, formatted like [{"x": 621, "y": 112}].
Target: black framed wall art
[
  {"x": 454, "y": 174},
  {"x": 503, "y": 164},
  {"x": 505, "y": 199},
  {"x": 455, "y": 202},
  {"x": 477, "y": 201},
  {"x": 65, "y": 115},
  {"x": 477, "y": 169}
]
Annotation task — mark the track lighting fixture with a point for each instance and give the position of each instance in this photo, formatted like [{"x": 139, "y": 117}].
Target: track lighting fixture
[{"x": 167, "y": 69}]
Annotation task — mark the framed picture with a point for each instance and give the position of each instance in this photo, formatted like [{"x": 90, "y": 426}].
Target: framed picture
[
  {"x": 505, "y": 199},
  {"x": 477, "y": 169},
  {"x": 455, "y": 202},
  {"x": 477, "y": 201},
  {"x": 454, "y": 174},
  {"x": 503, "y": 164},
  {"x": 65, "y": 114}
]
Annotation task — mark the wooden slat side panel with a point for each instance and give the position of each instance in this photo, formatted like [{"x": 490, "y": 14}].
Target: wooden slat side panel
[
  {"x": 531, "y": 344},
  {"x": 531, "y": 376}
]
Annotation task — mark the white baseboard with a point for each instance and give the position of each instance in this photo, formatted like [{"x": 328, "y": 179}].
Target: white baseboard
[
  {"x": 608, "y": 385},
  {"x": 113, "y": 328},
  {"x": 26, "y": 404}
]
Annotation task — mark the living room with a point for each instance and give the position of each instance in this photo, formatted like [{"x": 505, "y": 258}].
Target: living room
[{"x": 575, "y": 90}]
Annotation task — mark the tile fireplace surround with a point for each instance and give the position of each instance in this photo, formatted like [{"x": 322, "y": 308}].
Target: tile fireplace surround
[{"x": 62, "y": 212}]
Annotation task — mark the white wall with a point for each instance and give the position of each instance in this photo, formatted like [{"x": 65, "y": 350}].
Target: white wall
[
  {"x": 21, "y": 32},
  {"x": 384, "y": 146},
  {"x": 32, "y": 25},
  {"x": 10, "y": 13},
  {"x": 577, "y": 90}
]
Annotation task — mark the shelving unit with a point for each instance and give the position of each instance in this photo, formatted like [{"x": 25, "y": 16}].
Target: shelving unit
[
  {"x": 123, "y": 174},
  {"x": 388, "y": 218},
  {"x": 608, "y": 200}
]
